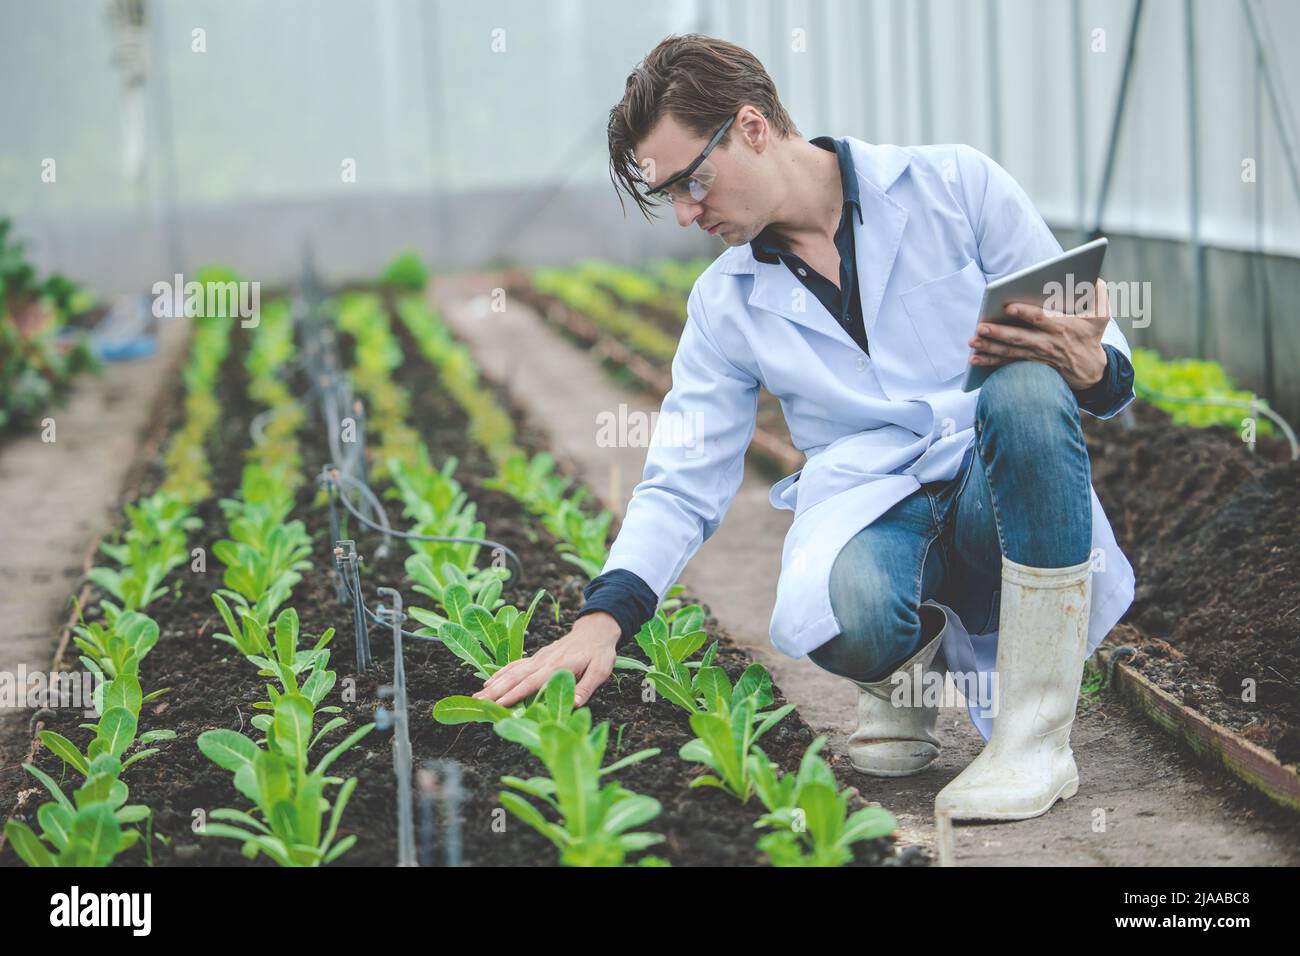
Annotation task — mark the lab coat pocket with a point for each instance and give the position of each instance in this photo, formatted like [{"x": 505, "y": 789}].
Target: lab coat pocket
[{"x": 944, "y": 312}]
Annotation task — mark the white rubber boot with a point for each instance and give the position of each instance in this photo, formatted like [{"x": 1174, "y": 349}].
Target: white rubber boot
[
  {"x": 892, "y": 740},
  {"x": 1027, "y": 764}
]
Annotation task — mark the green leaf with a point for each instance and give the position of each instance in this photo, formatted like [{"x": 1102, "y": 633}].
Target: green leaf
[
  {"x": 228, "y": 749},
  {"x": 123, "y": 692},
  {"x": 272, "y": 773},
  {"x": 530, "y": 815},
  {"x": 56, "y": 824},
  {"x": 340, "y": 848},
  {"x": 716, "y": 732},
  {"x": 96, "y": 835},
  {"x": 630, "y": 759},
  {"x": 132, "y": 814},
  {"x": 771, "y": 720},
  {"x": 558, "y": 694},
  {"x": 339, "y": 750},
  {"x": 869, "y": 823},
  {"x": 631, "y": 812},
  {"x": 468, "y": 710},
  {"x": 712, "y": 684},
  {"x": 50, "y": 785},
  {"x": 292, "y": 724},
  {"x": 755, "y": 682},
  {"x": 678, "y": 693},
  {"x": 139, "y": 755},
  {"x": 117, "y": 730},
  {"x": 286, "y": 636},
  {"x": 27, "y": 845},
  {"x": 63, "y": 748},
  {"x": 340, "y": 801}
]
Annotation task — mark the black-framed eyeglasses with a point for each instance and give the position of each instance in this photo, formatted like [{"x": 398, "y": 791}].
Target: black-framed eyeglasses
[{"x": 692, "y": 182}]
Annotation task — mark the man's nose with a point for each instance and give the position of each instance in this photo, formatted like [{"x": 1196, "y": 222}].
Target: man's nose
[{"x": 687, "y": 212}]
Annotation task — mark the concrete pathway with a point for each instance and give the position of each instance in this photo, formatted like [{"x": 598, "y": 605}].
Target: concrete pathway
[
  {"x": 1141, "y": 801},
  {"x": 59, "y": 496}
]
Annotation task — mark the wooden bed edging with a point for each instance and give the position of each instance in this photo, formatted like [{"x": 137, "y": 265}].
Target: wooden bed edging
[{"x": 1211, "y": 741}]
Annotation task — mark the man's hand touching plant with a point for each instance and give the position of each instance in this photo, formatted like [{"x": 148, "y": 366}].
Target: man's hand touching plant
[{"x": 588, "y": 650}]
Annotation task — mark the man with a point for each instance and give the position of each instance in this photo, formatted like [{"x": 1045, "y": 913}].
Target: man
[{"x": 926, "y": 518}]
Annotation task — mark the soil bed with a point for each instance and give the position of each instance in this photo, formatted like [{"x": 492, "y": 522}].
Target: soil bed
[
  {"x": 1213, "y": 534},
  {"x": 213, "y": 687}
]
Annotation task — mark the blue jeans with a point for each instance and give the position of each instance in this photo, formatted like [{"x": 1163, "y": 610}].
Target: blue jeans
[{"x": 1026, "y": 492}]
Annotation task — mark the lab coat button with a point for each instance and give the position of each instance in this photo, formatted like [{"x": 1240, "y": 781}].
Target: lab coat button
[{"x": 862, "y": 363}]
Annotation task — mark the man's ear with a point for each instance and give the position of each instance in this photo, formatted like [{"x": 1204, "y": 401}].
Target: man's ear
[{"x": 753, "y": 127}]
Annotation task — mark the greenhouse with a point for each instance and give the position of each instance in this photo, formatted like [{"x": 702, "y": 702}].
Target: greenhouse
[{"x": 392, "y": 481}]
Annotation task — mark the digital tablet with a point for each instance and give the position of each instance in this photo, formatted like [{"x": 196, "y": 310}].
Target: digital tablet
[{"x": 1061, "y": 277}]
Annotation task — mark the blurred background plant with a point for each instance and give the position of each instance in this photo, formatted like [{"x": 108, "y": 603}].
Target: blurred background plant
[{"x": 36, "y": 362}]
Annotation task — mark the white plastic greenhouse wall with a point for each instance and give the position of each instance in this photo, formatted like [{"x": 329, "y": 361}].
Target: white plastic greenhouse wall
[{"x": 142, "y": 138}]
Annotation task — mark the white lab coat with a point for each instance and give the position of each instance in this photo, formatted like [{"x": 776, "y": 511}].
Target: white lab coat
[{"x": 938, "y": 223}]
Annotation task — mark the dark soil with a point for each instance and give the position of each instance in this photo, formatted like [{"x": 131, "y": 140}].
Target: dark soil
[
  {"x": 1213, "y": 533},
  {"x": 212, "y": 686}
]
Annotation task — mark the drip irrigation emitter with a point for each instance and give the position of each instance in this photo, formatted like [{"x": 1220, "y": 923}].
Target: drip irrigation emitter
[
  {"x": 333, "y": 480},
  {"x": 345, "y": 562},
  {"x": 397, "y": 721},
  {"x": 448, "y": 792},
  {"x": 345, "y": 555}
]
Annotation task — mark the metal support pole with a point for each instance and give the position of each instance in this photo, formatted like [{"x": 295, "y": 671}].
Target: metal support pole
[
  {"x": 1080, "y": 116},
  {"x": 345, "y": 559},
  {"x": 994, "y": 61},
  {"x": 1117, "y": 120},
  {"x": 401, "y": 731},
  {"x": 1200, "y": 305},
  {"x": 924, "y": 70},
  {"x": 331, "y": 490}
]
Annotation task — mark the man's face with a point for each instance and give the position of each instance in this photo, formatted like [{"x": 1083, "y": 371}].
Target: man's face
[{"x": 733, "y": 208}]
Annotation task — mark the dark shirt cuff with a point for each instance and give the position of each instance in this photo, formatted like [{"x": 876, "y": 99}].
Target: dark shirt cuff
[
  {"x": 625, "y": 596},
  {"x": 1116, "y": 382}
]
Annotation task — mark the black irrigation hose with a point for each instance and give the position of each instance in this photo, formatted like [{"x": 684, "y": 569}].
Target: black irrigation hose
[
  {"x": 411, "y": 536},
  {"x": 371, "y": 498}
]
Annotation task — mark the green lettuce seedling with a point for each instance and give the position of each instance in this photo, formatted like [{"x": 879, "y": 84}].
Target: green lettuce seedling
[
  {"x": 810, "y": 813},
  {"x": 484, "y": 641},
  {"x": 725, "y": 735},
  {"x": 290, "y": 826},
  {"x": 596, "y": 821},
  {"x": 86, "y": 830},
  {"x": 481, "y": 586},
  {"x": 117, "y": 649}
]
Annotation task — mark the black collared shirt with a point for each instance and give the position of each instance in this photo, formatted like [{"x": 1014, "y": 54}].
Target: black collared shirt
[{"x": 842, "y": 302}]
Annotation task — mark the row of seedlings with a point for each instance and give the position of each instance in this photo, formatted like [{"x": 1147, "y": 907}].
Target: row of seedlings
[
  {"x": 597, "y": 819},
  {"x": 582, "y": 531},
  {"x": 293, "y": 820},
  {"x": 93, "y": 825}
]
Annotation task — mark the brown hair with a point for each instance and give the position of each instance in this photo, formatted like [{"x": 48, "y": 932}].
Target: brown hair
[{"x": 700, "y": 81}]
